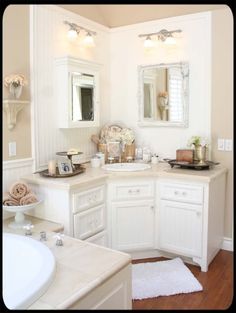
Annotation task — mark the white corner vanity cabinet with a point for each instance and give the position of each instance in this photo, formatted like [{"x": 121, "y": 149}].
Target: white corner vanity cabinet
[
  {"x": 151, "y": 213},
  {"x": 79, "y": 203},
  {"x": 76, "y": 91}
]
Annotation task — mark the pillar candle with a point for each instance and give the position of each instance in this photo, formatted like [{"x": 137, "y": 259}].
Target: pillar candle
[{"x": 52, "y": 167}]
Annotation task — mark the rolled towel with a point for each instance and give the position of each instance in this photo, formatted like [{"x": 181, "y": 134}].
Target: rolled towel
[
  {"x": 28, "y": 199},
  {"x": 9, "y": 201},
  {"x": 19, "y": 190}
]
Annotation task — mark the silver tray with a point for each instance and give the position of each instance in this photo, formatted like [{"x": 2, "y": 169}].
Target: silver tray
[
  {"x": 78, "y": 169},
  {"x": 194, "y": 166}
]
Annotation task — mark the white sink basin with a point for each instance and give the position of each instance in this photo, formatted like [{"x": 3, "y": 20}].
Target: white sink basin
[
  {"x": 126, "y": 167},
  {"x": 28, "y": 270}
]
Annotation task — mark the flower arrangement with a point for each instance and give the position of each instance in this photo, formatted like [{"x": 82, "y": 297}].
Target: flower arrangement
[
  {"x": 127, "y": 136},
  {"x": 112, "y": 135},
  {"x": 15, "y": 82},
  {"x": 198, "y": 141}
]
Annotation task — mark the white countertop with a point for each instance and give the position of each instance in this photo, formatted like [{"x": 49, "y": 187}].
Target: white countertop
[
  {"x": 161, "y": 170},
  {"x": 80, "y": 266}
]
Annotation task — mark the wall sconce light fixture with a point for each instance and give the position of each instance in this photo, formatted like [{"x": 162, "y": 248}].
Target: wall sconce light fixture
[
  {"x": 163, "y": 35},
  {"x": 74, "y": 31}
]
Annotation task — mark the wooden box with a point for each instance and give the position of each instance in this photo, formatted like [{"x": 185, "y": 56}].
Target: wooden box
[{"x": 185, "y": 155}]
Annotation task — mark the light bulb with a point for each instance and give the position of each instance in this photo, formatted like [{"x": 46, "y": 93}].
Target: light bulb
[
  {"x": 170, "y": 41},
  {"x": 148, "y": 43},
  {"x": 72, "y": 33},
  {"x": 88, "y": 40}
]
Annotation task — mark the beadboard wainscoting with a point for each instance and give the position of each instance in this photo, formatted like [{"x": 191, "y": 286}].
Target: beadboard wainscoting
[
  {"x": 48, "y": 40},
  {"x": 13, "y": 171}
]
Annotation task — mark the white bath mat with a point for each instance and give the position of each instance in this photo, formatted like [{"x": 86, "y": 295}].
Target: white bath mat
[{"x": 162, "y": 278}]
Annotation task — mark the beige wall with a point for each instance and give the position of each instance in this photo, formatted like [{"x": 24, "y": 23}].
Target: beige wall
[
  {"x": 222, "y": 100},
  {"x": 16, "y": 61}
]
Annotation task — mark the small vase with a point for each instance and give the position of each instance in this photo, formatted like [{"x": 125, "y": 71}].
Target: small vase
[
  {"x": 129, "y": 152},
  {"x": 15, "y": 91},
  {"x": 200, "y": 154}
]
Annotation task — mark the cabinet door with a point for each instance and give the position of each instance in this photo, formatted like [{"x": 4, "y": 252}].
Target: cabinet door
[
  {"x": 180, "y": 228},
  {"x": 133, "y": 225}
]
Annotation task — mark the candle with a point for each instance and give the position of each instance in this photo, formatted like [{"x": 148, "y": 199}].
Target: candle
[{"x": 52, "y": 167}]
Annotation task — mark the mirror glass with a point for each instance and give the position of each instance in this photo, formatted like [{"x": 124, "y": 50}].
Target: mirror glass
[
  {"x": 163, "y": 90},
  {"x": 82, "y": 97}
]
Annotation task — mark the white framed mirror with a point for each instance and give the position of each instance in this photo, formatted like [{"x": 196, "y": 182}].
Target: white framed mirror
[
  {"x": 163, "y": 94},
  {"x": 82, "y": 102}
]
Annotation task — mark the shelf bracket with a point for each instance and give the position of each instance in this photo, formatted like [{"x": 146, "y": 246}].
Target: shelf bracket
[{"x": 12, "y": 108}]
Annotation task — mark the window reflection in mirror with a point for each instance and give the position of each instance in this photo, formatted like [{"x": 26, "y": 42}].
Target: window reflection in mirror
[
  {"x": 82, "y": 97},
  {"x": 164, "y": 90}
]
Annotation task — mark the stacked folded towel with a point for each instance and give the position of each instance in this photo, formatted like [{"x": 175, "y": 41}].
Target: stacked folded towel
[
  {"x": 8, "y": 200},
  {"x": 19, "y": 194}
]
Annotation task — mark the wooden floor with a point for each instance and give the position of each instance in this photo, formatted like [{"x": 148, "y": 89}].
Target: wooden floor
[{"x": 217, "y": 288}]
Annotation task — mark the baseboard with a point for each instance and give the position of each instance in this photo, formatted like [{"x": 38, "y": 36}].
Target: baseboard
[
  {"x": 227, "y": 244},
  {"x": 144, "y": 254}
]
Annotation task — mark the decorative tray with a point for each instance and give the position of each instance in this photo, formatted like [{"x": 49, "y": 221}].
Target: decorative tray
[
  {"x": 78, "y": 169},
  {"x": 195, "y": 165}
]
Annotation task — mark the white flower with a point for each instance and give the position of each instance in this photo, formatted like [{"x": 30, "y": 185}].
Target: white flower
[
  {"x": 127, "y": 136},
  {"x": 15, "y": 80}
]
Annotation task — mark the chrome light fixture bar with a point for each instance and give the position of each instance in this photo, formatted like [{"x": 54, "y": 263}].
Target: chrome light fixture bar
[
  {"x": 77, "y": 28},
  {"x": 163, "y": 35},
  {"x": 74, "y": 31}
]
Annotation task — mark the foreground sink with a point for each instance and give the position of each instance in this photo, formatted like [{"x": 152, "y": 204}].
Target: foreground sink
[
  {"x": 28, "y": 270},
  {"x": 126, "y": 167}
]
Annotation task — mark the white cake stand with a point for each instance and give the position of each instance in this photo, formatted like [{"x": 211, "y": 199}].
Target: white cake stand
[{"x": 20, "y": 219}]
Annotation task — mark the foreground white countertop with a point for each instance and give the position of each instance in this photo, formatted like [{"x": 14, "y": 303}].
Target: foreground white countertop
[
  {"x": 161, "y": 170},
  {"x": 80, "y": 266}
]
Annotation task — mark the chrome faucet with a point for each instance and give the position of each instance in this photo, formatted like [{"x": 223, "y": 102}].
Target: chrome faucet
[
  {"x": 59, "y": 241},
  {"x": 28, "y": 228}
]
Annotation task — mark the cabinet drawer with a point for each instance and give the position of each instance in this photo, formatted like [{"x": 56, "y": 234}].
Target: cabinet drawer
[
  {"x": 87, "y": 199},
  {"x": 89, "y": 222},
  {"x": 130, "y": 191},
  {"x": 99, "y": 239},
  {"x": 181, "y": 192}
]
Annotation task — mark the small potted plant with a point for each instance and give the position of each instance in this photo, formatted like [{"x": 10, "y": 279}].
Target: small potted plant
[{"x": 200, "y": 146}]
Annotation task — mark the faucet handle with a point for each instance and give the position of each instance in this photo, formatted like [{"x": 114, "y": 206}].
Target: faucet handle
[
  {"x": 28, "y": 228},
  {"x": 59, "y": 241},
  {"x": 43, "y": 236}
]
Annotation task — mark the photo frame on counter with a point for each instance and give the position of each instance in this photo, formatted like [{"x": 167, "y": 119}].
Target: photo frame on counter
[{"x": 64, "y": 167}]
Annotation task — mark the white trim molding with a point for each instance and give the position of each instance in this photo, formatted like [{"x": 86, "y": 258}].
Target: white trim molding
[
  {"x": 19, "y": 163},
  {"x": 227, "y": 244}
]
